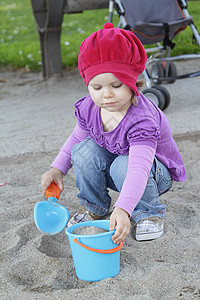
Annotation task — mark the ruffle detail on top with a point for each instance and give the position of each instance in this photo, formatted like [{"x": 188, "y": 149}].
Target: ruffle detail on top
[
  {"x": 144, "y": 135},
  {"x": 109, "y": 140},
  {"x": 144, "y": 130}
]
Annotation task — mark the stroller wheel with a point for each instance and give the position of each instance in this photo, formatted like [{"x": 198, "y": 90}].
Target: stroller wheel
[
  {"x": 165, "y": 93},
  {"x": 157, "y": 73},
  {"x": 156, "y": 96},
  {"x": 172, "y": 73}
]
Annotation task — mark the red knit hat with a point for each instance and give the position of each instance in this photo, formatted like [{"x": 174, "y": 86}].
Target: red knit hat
[{"x": 112, "y": 50}]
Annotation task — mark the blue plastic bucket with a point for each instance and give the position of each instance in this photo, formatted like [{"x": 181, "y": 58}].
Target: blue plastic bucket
[{"x": 95, "y": 256}]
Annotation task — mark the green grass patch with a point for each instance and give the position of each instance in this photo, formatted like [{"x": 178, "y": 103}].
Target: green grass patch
[
  {"x": 19, "y": 41},
  {"x": 183, "y": 41}
]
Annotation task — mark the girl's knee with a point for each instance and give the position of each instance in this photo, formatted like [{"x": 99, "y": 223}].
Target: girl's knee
[
  {"x": 88, "y": 153},
  {"x": 83, "y": 150}
]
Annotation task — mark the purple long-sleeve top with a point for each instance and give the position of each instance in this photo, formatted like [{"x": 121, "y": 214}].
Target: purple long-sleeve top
[{"x": 143, "y": 133}]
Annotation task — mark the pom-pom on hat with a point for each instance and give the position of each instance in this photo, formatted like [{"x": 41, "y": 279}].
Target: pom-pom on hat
[{"x": 112, "y": 50}]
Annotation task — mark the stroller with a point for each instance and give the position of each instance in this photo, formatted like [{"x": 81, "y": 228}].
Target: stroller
[{"x": 153, "y": 22}]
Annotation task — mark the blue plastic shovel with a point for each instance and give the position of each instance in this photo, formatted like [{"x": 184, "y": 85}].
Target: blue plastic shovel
[{"x": 50, "y": 217}]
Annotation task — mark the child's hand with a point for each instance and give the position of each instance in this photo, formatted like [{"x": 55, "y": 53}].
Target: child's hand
[
  {"x": 52, "y": 175},
  {"x": 120, "y": 219}
]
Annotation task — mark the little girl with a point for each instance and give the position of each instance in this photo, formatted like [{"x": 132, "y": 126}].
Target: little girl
[{"x": 121, "y": 141}]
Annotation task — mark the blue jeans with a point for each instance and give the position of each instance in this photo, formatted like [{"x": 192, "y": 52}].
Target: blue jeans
[{"x": 96, "y": 169}]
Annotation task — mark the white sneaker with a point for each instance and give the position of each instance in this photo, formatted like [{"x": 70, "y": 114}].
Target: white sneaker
[{"x": 149, "y": 229}]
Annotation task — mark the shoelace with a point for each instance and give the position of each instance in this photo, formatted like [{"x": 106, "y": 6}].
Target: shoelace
[
  {"x": 146, "y": 225},
  {"x": 81, "y": 217}
]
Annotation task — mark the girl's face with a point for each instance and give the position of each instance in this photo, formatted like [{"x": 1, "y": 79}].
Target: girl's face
[{"x": 110, "y": 93}]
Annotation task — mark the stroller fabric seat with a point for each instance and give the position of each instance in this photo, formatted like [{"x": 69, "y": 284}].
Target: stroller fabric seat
[{"x": 154, "y": 20}]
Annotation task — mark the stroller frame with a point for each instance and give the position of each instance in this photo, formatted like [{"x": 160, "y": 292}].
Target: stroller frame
[{"x": 159, "y": 51}]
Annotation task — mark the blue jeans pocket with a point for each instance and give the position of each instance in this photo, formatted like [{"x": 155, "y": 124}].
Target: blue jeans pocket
[{"x": 163, "y": 177}]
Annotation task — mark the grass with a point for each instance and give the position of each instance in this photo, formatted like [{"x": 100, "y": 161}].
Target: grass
[{"x": 19, "y": 42}]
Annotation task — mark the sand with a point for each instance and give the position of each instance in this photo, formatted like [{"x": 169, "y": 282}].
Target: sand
[{"x": 36, "y": 118}]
